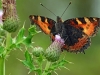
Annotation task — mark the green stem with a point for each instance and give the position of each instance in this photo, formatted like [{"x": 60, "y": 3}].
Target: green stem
[
  {"x": 2, "y": 66},
  {"x": 41, "y": 68},
  {"x": 8, "y": 43},
  {"x": 46, "y": 68},
  {"x": 2, "y": 58},
  {"x": 8, "y": 40}
]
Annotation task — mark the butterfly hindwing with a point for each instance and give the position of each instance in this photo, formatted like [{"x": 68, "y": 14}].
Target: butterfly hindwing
[{"x": 82, "y": 44}]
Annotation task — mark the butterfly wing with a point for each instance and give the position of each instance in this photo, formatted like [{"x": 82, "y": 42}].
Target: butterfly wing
[
  {"x": 89, "y": 25},
  {"x": 79, "y": 31},
  {"x": 82, "y": 44},
  {"x": 46, "y": 24}
]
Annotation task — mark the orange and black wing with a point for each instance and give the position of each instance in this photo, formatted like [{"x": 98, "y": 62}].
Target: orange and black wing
[
  {"x": 79, "y": 31},
  {"x": 82, "y": 44},
  {"x": 88, "y": 25},
  {"x": 46, "y": 24}
]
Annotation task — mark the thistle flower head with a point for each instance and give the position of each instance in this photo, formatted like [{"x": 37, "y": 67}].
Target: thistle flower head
[
  {"x": 54, "y": 50},
  {"x": 37, "y": 51},
  {"x": 1, "y": 13},
  {"x": 10, "y": 17},
  {"x": 10, "y": 25}
]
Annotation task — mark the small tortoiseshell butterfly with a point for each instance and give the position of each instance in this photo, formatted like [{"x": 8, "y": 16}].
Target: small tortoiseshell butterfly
[{"x": 76, "y": 32}]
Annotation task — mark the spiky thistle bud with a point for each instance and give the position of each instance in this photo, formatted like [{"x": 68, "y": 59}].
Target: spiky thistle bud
[
  {"x": 53, "y": 52},
  {"x": 37, "y": 51},
  {"x": 10, "y": 17}
]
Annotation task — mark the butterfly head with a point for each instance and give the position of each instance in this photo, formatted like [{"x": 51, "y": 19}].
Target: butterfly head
[{"x": 59, "y": 20}]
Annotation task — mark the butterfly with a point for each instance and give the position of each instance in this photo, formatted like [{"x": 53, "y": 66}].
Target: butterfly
[{"x": 76, "y": 32}]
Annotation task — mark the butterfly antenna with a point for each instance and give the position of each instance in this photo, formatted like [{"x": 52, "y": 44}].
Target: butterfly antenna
[
  {"x": 47, "y": 9},
  {"x": 66, "y": 8}
]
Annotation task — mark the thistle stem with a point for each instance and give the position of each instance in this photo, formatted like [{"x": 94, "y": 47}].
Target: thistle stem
[
  {"x": 8, "y": 40},
  {"x": 2, "y": 66},
  {"x": 46, "y": 68},
  {"x": 8, "y": 43},
  {"x": 2, "y": 59}
]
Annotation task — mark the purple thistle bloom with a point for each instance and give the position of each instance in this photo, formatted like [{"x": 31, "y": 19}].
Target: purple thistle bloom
[
  {"x": 1, "y": 13},
  {"x": 54, "y": 50}
]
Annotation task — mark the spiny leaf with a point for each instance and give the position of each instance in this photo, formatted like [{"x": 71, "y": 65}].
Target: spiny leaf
[
  {"x": 20, "y": 36},
  {"x": 32, "y": 30},
  {"x": 28, "y": 41},
  {"x": 60, "y": 63},
  {"x": 28, "y": 64},
  {"x": 28, "y": 57}
]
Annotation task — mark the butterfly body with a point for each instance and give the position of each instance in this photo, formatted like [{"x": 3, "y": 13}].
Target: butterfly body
[{"x": 76, "y": 32}]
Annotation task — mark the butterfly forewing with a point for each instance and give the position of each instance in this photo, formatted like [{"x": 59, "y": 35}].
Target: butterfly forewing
[
  {"x": 46, "y": 24},
  {"x": 89, "y": 25}
]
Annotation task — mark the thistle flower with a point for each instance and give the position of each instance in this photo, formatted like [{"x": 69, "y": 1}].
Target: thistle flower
[
  {"x": 37, "y": 51},
  {"x": 54, "y": 50},
  {"x": 2, "y": 32},
  {"x": 10, "y": 17},
  {"x": 1, "y": 13}
]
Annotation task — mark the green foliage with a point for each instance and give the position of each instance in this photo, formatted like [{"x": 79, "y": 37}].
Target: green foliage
[
  {"x": 20, "y": 37},
  {"x": 14, "y": 43},
  {"x": 28, "y": 61},
  {"x": 33, "y": 61},
  {"x": 27, "y": 40}
]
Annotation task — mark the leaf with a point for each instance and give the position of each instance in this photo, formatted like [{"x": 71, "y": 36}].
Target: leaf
[
  {"x": 20, "y": 36},
  {"x": 32, "y": 30},
  {"x": 28, "y": 62},
  {"x": 13, "y": 46},
  {"x": 53, "y": 66},
  {"x": 28, "y": 41},
  {"x": 28, "y": 57},
  {"x": 49, "y": 74},
  {"x": 38, "y": 70},
  {"x": 60, "y": 63}
]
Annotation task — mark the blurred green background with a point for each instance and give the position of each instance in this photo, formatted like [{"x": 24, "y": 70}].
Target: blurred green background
[{"x": 84, "y": 64}]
